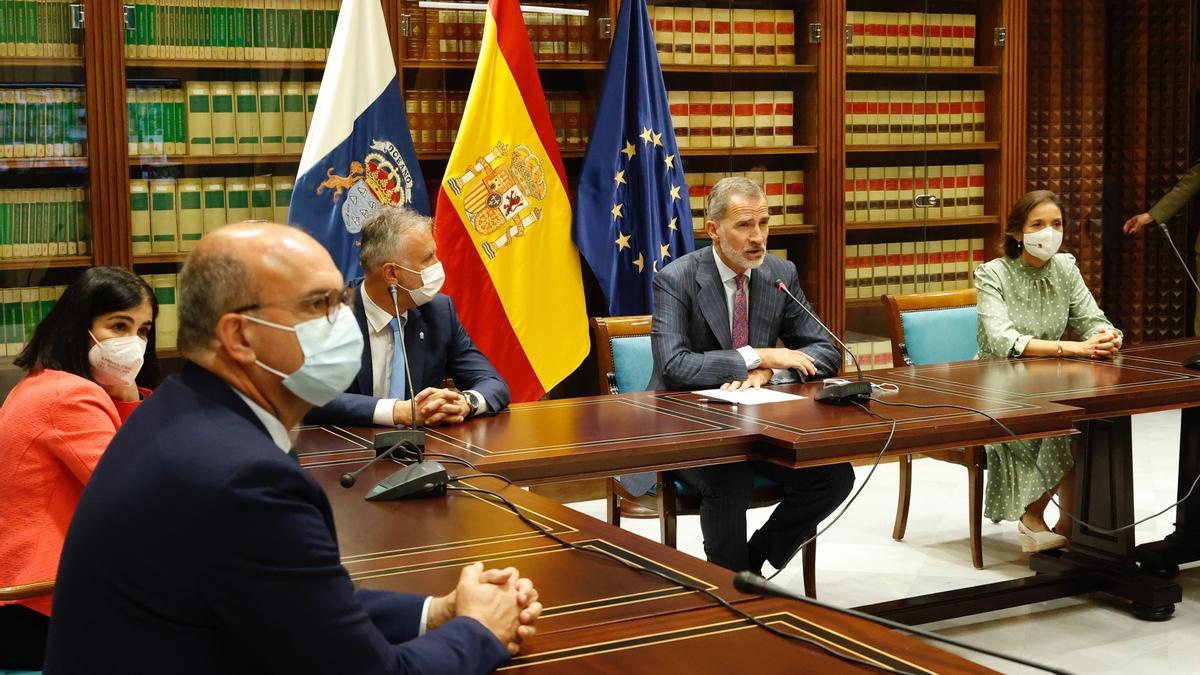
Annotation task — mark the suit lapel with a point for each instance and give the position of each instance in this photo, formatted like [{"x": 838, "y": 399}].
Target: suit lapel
[
  {"x": 364, "y": 380},
  {"x": 414, "y": 349},
  {"x": 764, "y": 306},
  {"x": 712, "y": 300}
]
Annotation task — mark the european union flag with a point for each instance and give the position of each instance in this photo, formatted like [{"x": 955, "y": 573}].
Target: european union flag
[
  {"x": 359, "y": 153},
  {"x": 632, "y": 216}
]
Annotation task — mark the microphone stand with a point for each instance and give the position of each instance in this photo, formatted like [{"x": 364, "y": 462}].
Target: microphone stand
[
  {"x": 1192, "y": 361},
  {"x": 835, "y": 394},
  {"x": 424, "y": 478}
]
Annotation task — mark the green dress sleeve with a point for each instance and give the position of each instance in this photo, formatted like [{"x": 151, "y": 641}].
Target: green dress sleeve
[
  {"x": 998, "y": 335},
  {"x": 1086, "y": 316}
]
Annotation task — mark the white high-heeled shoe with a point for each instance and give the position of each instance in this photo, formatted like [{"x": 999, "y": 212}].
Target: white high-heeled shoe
[{"x": 1032, "y": 542}]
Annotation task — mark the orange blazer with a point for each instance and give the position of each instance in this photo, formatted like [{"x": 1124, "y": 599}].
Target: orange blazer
[{"x": 53, "y": 428}]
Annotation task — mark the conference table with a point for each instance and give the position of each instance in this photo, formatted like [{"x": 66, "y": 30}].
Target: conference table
[{"x": 598, "y": 436}]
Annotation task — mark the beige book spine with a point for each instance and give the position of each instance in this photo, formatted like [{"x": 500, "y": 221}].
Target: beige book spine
[
  {"x": 281, "y": 198},
  {"x": 908, "y": 267},
  {"x": 166, "y": 325},
  {"x": 700, "y": 118},
  {"x": 664, "y": 34},
  {"x": 677, "y": 103},
  {"x": 975, "y": 191},
  {"x": 164, "y": 216},
  {"x": 702, "y": 37},
  {"x": 848, "y": 206},
  {"x": 722, "y": 37},
  {"x": 294, "y": 127},
  {"x": 247, "y": 121},
  {"x": 683, "y": 35},
  {"x": 237, "y": 199},
  {"x": 743, "y": 37},
  {"x": 260, "y": 198},
  {"x": 891, "y": 193},
  {"x": 191, "y": 213},
  {"x": 213, "y": 205},
  {"x": 785, "y": 37},
  {"x": 793, "y": 197},
  {"x": 270, "y": 117},
  {"x": 907, "y": 194},
  {"x": 851, "y": 265},
  {"x": 199, "y": 119},
  {"x": 877, "y": 191},
  {"x": 764, "y": 37},
  {"x": 722, "y": 119},
  {"x": 862, "y": 194},
  {"x": 224, "y": 119},
  {"x": 773, "y": 185}
]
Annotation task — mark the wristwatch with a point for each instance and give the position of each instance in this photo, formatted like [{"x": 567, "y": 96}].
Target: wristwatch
[{"x": 474, "y": 402}]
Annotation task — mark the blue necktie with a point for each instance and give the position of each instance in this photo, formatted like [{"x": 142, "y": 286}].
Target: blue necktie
[{"x": 397, "y": 387}]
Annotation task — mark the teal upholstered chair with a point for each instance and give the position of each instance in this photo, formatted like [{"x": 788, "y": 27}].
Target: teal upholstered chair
[
  {"x": 938, "y": 328},
  {"x": 625, "y": 362},
  {"x": 24, "y": 592}
]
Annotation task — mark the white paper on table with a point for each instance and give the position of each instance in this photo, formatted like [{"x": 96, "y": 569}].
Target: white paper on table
[{"x": 749, "y": 396}]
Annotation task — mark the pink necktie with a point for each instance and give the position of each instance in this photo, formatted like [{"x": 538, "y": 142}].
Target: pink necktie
[{"x": 741, "y": 323}]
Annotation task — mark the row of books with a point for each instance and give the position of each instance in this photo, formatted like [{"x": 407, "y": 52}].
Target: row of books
[
  {"x": 457, "y": 34},
  {"x": 785, "y": 194},
  {"x": 732, "y": 119},
  {"x": 166, "y": 293},
  {"x": 45, "y": 122},
  {"x": 37, "y": 28},
  {"x": 434, "y": 117},
  {"x": 873, "y": 352},
  {"x": 221, "y": 118},
  {"x": 251, "y": 30},
  {"x": 914, "y": 117},
  {"x": 43, "y": 223},
  {"x": 709, "y": 36},
  {"x": 911, "y": 267},
  {"x": 23, "y": 309},
  {"x": 910, "y": 39},
  {"x": 880, "y": 193},
  {"x": 169, "y": 215}
]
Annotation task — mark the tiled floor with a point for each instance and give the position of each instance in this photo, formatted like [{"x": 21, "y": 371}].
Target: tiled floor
[{"x": 858, "y": 563}]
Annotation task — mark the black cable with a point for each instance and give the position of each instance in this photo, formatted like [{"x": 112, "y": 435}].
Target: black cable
[
  {"x": 679, "y": 582},
  {"x": 846, "y": 506},
  {"x": 444, "y": 458},
  {"x": 1025, "y": 446},
  {"x": 482, "y": 474}
]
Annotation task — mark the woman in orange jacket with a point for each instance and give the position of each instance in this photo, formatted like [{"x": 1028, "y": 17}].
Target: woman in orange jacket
[{"x": 82, "y": 367}]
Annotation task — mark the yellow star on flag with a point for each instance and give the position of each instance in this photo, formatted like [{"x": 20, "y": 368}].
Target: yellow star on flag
[
  {"x": 620, "y": 178},
  {"x": 616, "y": 211},
  {"x": 674, "y": 192},
  {"x": 658, "y": 140},
  {"x": 674, "y": 224},
  {"x": 622, "y": 241},
  {"x": 647, "y": 135},
  {"x": 629, "y": 150},
  {"x": 670, "y": 160},
  {"x": 640, "y": 263},
  {"x": 664, "y": 251}
]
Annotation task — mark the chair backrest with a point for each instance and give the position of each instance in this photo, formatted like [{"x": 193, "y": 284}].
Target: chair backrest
[
  {"x": 933, "y": 327},
  {"x": 26, "y": 591},
  {"x": 623, "y": 355}
]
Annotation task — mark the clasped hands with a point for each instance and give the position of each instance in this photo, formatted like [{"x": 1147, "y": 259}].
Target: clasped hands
[
  {"x": 502, "y": 600},
  {"x": 773, "y": 358},
  {"x": 1103, "y": 345},
  {"x": 435, "y": 407}
]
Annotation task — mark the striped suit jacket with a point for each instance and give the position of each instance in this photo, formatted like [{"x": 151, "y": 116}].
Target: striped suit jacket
[{"x": 690, "y": 332}]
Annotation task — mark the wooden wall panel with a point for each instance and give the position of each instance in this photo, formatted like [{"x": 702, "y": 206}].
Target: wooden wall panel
[
  {"x": 107, "y": 132},
  {"x": 1147, "y": 150},
  {"x": 1065, "y": 143},
  {"x": 831, "y": 69}
]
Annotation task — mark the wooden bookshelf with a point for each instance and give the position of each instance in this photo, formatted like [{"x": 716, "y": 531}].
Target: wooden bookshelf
[
  {"x": 918, "y": 70},
  {"x": 223, "y": 64},
  {"x": 470, "y": 65},
  {"x": 798, "y": 69},
  {"x": 933, "y": 222},
  {"x": 41, "y": 62},
  {"x": 736, "y": 152},
  {"x": 43, "y": 163},
  {"x": 60, "y": 261},
  {"x": 929, "y": 147},
  {"x": 158, "y": 258}
]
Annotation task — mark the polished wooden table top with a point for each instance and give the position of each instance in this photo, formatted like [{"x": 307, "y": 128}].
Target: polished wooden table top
[{"x": 601, "y": 614}]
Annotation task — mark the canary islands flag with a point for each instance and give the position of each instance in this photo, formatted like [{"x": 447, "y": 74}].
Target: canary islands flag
[
  {"x": 503, "y": 219},
  {"x": 359, "y": 153},
  {"x": 633, "y": 215}
]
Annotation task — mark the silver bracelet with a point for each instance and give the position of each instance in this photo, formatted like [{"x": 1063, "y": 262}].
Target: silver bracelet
[{"x": 1059, "y": 343}]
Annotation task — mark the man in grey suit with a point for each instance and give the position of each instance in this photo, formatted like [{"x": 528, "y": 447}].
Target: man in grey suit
[{"x": 717, "y": 319}]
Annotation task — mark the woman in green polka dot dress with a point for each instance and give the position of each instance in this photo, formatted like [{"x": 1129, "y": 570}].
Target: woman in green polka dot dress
[{"x": 1026, "y": 301}]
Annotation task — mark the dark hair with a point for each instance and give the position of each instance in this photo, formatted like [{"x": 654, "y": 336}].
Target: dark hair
[
  {"x": 61, "y": 342},
  {"x": 1020, "y": 211}
]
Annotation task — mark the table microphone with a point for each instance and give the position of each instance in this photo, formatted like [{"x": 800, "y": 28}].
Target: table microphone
[
  {"x": 1192, "y": 361},
  {"x": 835, "y": 394},
  {"x": 349, "y": 479},
  {"x": 424, "y": 478}
]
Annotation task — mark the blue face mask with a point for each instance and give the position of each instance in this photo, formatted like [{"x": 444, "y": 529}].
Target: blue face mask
[{"x": 332, "y": 356}]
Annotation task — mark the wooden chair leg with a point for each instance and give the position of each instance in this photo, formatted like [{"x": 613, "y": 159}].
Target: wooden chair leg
[
  {"x": 904, "y": 497},
  {"x": 975, "y": 509},
  {"x": 613, "y": 502},
  {"x": 667, "y": 511},
  {"x": 810, "y": 567}
]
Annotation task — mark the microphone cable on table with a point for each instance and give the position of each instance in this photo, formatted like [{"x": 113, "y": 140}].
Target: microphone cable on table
[
  {"x": 1023, "y": 444},
  {"x": 753, "y": 620}
]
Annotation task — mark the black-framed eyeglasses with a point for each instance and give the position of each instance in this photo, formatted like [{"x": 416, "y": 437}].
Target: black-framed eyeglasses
[{"x": 326, "y": 302}]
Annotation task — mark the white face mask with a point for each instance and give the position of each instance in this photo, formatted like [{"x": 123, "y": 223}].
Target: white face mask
[
  {"x": 432, "y": 278},
  {"x": 1044, "y": 243},
  {"x": 116, "y": 361},
  {"x": 332, "y": 356}
]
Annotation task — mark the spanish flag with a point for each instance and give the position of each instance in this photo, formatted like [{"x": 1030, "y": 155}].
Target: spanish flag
[{"x": 503, "y": 220}]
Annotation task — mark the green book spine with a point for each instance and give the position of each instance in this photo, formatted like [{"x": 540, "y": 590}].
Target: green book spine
[
  {"x": 179, "y": 106},
  {"x": 151, "y": 25},
  {"x": 258, "y": 24},
  {"x": 20, "y": 115},
  {"x": 132, "y": 121},
  {"x": 14, "y": 332},
  {"x": 29, "y": 309},
  {"x": 271, "y": 36},
  {"x": 6, "y": 23},
  {"x": 306, "y": 31},
  {"x": 6, "y": 125}
]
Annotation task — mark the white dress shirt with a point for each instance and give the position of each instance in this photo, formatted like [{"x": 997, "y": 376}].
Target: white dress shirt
[
  {"x": 382, "y": 343},
  {"x": 729, "y": 280},
  {"x": 279, "y": 435}
]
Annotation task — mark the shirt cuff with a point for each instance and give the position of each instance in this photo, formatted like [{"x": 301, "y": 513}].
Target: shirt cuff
[
  {"x": 1019, "y": 346},
  {"x": 385, "y": 412},
  {"x": 483, "y": 406},
  {"x": 753, "y": 360},
  {"x": 423, "y": 626},
  {"x": 783, "y": 376}
]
